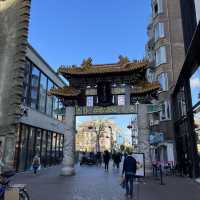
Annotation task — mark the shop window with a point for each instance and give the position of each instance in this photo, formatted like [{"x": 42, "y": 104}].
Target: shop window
[
  {"x": 197, "y": 127},
  {"x": 43, "y": 148},
  {"x": 165, "y": 111},
  {"x": 54, "y": 142},
  {"x": 49, "y": 148},
  {"x": 89, "y": 102},
  {"x": 163, "y": 80},
  {"x": 161, "y": 56},
  {"x": 30, "y": 149},
  {"x": 35, "y": 77},
  {"x": 121, "y": 100},
  {"x": 43, "y": 93},
  {"x": 23, "y": 147},
  {"x": 159, "y": 31},
  {"x": 38, "y": 141},
  {"x": 195, "y": 87}
]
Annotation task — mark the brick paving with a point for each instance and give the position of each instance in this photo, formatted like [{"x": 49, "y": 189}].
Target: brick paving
[{"x": 92, "y": 183}]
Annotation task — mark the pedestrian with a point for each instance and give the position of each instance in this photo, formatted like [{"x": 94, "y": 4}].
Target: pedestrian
[
  {"x": 99, "y": 159},
  {"x": 106, "y": 159},
  {"x": 117, "y": 160},
  {"x": 36, "y": 163},
  {"x": 113, "y": 159},
  {"x": 129, "y": 169}
]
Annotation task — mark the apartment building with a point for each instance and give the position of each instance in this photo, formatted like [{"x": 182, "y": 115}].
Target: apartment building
[{"x": 165, "y": 52}]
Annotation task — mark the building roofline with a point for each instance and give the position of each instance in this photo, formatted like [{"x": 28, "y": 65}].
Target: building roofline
[{"x": 44, "y": 61}]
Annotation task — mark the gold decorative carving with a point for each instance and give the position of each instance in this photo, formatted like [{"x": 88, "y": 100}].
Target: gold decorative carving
[
  {"x": 123, "y": 59},
  {"x": 87, "y": 62}
]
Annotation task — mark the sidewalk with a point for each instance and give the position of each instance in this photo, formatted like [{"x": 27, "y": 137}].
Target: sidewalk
[{"x": 92, "y": 183}]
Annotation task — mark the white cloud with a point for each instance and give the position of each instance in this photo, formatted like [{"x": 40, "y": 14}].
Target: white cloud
[{"x": 195, "y": 82}]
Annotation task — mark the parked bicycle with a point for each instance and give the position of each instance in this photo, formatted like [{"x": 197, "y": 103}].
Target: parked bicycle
[{"x": 6, "y": 186}]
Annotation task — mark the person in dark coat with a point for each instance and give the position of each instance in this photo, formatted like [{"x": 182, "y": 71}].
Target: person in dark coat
[
  {"x": 129, "y": 169},
  {"x": 117, "y": 159},
  {"x": 106, "y": 159}
]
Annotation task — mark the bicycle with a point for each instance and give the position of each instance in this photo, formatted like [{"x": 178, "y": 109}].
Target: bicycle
[{"x": 6, "y": 186}]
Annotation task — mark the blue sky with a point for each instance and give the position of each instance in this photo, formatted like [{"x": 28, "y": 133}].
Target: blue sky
[
  {"x": 66, "y": 32},
  {"x": 122, "y": 122}
]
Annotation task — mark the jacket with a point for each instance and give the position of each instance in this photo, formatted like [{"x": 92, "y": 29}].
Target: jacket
[{"x": 129, "y": 166}]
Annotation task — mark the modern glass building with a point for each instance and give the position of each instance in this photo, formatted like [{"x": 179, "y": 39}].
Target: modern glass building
[{"x": 40, "y": 129}]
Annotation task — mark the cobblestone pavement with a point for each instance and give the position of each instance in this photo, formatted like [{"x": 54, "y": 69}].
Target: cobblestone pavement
[{"x": 92, "y": 183}]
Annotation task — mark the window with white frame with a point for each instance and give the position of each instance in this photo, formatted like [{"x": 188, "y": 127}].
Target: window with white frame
[
  {"x": 159, "y": 31},
  {"x": 150, "y": 75},
  {"x": 161, "y": 56},
  {"x": 90, "y": 101},
  {"x": 157, "y": 7},
  {"x": 121, "y": 100},
  {"x": 163, "y": 80},
  {"x": 165, "y": 111}
]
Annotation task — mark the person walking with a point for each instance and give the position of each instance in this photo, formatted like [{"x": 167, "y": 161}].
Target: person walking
[
  {"x": 129, "y": 169},
  {"x": 98, "y": 159},
  {"x": 113, "y": 159},
  {"x": 36, "y": 163},
  {"x": 106, "y": 159},
  {"x": 117, "y": 160}
]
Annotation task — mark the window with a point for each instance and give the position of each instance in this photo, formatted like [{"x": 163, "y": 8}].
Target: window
[
  {"x": 26, "y": 81},
  {"x": 35, "y": 76},
  {"x": 89, "y": 101},
  {"x": 43, "y": 93},
  {"x": 161, "y": 56},
  {"x": 23, "y": 147},
  {"x": 150, "y": 75},
  {"x": 157, "y": 7},
  {"x": 180, "y": 109},
  {"x": 159, "y": 31},
  {"x": 121, "y": 100},
  {"x": 165, "y": 111},
  {"x": 49, "y": 106},
  {"x": 195, "y": 87},
  {"x": 163, "y": 80}
]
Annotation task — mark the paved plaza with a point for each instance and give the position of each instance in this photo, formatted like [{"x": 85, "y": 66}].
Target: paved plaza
[{"x": 92, "y": 183}]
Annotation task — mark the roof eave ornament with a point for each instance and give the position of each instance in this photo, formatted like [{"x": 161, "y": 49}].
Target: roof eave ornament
[
  {"x": 123, "y": 60},
  {"x": 87, "y": 63}
]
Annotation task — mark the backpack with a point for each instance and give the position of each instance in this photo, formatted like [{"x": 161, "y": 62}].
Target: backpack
[{"x": 36, "y": 161}]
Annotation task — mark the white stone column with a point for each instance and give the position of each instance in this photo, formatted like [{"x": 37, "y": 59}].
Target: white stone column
[
  {"x": 69, "y": 142},
  {"x": 143, "y": 136}
]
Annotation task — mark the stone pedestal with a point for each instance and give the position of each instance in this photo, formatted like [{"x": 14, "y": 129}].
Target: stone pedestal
[
  {"x": 143, "y": 136},
  {"x": 69, "y": 143}
]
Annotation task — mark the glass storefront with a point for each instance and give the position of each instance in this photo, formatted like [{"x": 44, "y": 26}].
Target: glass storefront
[
  {"x": 32, "y": 141},
  {"x": 195, "y": 87},
  {"x": 36, "y": 84}
]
